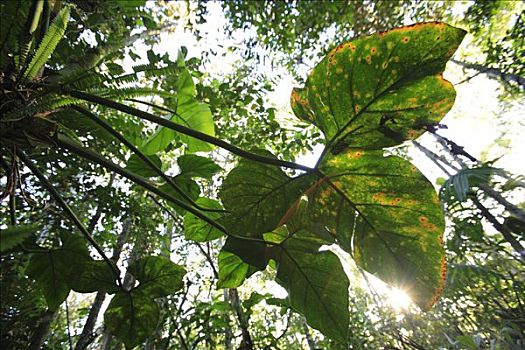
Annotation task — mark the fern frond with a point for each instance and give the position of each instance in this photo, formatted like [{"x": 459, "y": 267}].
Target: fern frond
[
  {"x": 44, "y": 105},
  {"x": 49, "y": 42}
]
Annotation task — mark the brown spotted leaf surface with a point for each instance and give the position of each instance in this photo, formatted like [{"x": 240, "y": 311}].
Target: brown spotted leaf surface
[{"x": 365, "y": 95}]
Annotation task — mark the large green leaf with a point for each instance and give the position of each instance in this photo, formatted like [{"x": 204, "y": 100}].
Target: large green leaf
[
  {"x": 190, "y": 113},
  {"x": 139, "y": 167},
  {"x": 379, "y": 90},
  {"x": 258, "y": 197},
  {"x": 14, "y": 235},
  {"x": 132, "y": 317},
  {"x": 195, "y": 166},
  {"x": 399, "y": 221},
  {"x": 315, "y": 280},
  {"x": 158, "y": 276},
  {"x": 199, "y": 230},
  {"x": 95, "y": 275},
  {"x": 55, "y": 270}
]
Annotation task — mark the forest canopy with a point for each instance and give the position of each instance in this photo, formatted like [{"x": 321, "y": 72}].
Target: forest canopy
[{"x": 262, "y": 174}]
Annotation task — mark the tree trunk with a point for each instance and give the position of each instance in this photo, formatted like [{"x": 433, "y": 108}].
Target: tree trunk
[
  {"x": 42, "y": 330},
  {"x": 493, "y": 73},
  {"x": 311, "y": 341},
  {"x": 87, "y": 336},
  {"x": 246, "y": 343},
  {"x": 228, "y": 334}
]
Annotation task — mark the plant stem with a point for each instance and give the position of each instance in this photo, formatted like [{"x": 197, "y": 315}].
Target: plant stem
[
  {"x": 141, "y": 155},
  {"x": 54, "y": 193},
  {"x": 185, "y": 130}
]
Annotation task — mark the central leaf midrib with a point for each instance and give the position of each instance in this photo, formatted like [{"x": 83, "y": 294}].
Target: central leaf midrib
[{"x": 325, "y": 307}]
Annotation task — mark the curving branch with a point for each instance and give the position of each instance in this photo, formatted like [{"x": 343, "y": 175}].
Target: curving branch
[{"x": 184, "y": 130}]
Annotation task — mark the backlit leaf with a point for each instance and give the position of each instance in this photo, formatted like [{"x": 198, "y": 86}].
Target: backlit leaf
[
  {"x": 158, "y": 276},
  {"x": 199, "y": 230},
  {"x": 14, "y": 235},
  {"x": 132, "y": 317}
]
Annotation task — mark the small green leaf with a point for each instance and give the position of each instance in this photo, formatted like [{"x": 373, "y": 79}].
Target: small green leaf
[
  {"x": 158, "y": 276},
  {"x": 14, "y": 235},
  {"x": 139, "y": 167},
  {"x": 198, "y": 230},
  {"x": 232, "y": 270},
  {"x": 195, "y": 166},
  {"x": 132, "y": 317}
]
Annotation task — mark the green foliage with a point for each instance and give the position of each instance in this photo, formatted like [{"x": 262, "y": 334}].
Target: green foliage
[
  {"x": 139, "y": 167},
  {"x": 355, "y": 194},
  {"x": 158, "y": 276},
  {"x": 11, "y": 236},
  {"x": 132, "y": 317},
  {"x": 196, "y": 166},
  {"x": 197, "y": 230},
  {"x": 55, "y": 269},
  {"x": 49, "y": 43}
]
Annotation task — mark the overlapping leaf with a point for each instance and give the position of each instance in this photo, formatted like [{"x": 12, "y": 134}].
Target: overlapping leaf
[
  {"x": 132, "y": 317},
  {"x": 258, "y": 196},
  {"x": 371, "y": 93},
  {"x": 55, "y": 269},
  {"x": 158, "y": 276}
]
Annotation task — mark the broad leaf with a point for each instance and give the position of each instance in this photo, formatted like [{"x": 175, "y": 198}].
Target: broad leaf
[
  {"x": 54, "y": 271},
  {"x": 11, "y": 236},
  {"x": 232, "y": 270},
  {"x": 94, "y": 276},
  {"x": 316, "y": 282},
  {"x": 195, "y": 166},
  {"x": 187, "y": 185},
  {"x": 258, "y": 197},
  {"x": 139, "y": 167},
  {"x": 132, "y": 317},
  {"x": 159, "y": 141},
  {"x": 198, "y": 230},
  {"x": 399, "y": 221},
  {"x": 158, "y": 276},
  {"x": 379, "y": 90},
  {"x": 195, "y": 115},
  {"x": 190, "y": 113}
]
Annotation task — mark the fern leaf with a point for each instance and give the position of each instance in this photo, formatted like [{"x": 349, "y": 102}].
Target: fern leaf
[{"x": 49, "y": 42}]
